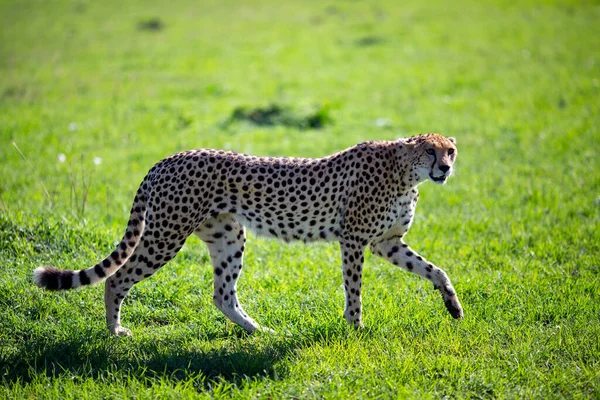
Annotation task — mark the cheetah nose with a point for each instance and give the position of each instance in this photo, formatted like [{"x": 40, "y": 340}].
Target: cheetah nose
[{"x": 444, "y": 168}]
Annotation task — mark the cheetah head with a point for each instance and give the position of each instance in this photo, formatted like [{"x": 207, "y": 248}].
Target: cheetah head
[{"x": 433, "y": 156}]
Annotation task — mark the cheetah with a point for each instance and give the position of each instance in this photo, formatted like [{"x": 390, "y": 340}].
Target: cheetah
[{"x": 362, "y": 196}]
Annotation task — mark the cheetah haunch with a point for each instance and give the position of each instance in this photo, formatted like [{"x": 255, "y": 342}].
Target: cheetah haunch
[{"x": 364, "y": 195}]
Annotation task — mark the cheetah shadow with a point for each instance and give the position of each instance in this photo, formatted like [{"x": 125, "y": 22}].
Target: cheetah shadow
[{"x": 97, "y": 356}]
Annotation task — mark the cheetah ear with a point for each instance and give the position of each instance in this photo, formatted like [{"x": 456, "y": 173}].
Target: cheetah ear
[
  {"x": 452, "y": 139},
  {"x": 406, "y": 143}
]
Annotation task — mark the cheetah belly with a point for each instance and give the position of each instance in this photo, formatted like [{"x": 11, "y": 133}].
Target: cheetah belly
[{"x": 304, "y": 227}]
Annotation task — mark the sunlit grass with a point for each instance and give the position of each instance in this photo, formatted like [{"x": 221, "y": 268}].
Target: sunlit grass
[{"x": 93, "y": 94}]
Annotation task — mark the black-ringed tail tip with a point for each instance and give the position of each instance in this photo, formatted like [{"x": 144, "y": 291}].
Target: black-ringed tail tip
[{"x": 58, "y": 279}]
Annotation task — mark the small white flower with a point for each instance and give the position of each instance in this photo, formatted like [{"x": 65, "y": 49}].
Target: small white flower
[
  {"x": 73, "y": 126},
  {"x": 62, "y": 158},
  {"x": 97, "y": 160},
  {"x": 383, "y": 122}
]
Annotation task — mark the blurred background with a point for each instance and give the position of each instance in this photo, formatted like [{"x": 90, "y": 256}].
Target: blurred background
[{"x": 127, "y": 83}]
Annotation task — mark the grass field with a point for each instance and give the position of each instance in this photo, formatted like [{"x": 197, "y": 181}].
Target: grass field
[{"x": 92, "y": 94}]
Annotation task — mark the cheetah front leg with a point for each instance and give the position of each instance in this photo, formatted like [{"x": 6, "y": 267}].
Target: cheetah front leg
[
  {"x": 352, "y": 263},
  {"x": 225, "y": 239},
  {"x": 398, "y": 253}
]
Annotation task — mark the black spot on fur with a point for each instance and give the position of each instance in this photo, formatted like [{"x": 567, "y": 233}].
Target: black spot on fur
[
  {"x": 455, "y": 312},
  {"x": 84, "y": 279},
  {"x": 49, "y": 279},
  {"x": 99, "y": 271}
]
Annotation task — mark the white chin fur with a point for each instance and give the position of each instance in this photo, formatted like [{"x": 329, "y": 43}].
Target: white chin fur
[{"x": 438, "y": 181}]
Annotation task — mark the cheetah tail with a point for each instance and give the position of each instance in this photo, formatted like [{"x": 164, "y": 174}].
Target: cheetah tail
[{"x": 56, "y": 279}]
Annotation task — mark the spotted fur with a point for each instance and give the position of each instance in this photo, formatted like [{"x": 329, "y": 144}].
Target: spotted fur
[{"x": 364, "y": 195}]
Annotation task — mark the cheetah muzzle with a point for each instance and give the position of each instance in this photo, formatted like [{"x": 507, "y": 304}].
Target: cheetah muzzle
[
  {"x": 363, "y": 196},
  {"x": 441, "y": 179}
]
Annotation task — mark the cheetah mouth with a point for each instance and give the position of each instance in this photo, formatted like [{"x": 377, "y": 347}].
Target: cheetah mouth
[{"x": 438, "y": 179}]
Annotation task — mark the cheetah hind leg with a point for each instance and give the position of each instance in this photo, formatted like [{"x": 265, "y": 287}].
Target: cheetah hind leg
[
  {"x": 225, "y": 239},
  {"x": 150, "y": 255}
]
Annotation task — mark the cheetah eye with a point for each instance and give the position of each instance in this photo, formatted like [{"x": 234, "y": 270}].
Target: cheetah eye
[
  {"x": 430, "y": 152},
  {"x": 450, "y": 151}
]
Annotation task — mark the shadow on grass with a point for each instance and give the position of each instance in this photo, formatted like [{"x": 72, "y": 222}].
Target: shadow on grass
[
  {"x": 275, "y": 114},
  {"x": 98, "y": 357}
]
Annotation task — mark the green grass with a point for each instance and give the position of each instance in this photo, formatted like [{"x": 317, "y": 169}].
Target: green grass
[{"x": 517, "y": 228}]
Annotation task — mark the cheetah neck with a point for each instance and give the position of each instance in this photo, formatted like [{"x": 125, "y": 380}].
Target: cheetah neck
[{"x": 408, "y": 178}]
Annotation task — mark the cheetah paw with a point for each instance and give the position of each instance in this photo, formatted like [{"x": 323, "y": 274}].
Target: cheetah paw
[
  {"x": 454, "y": 308},
  {"x": 120, "y": 331}
]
